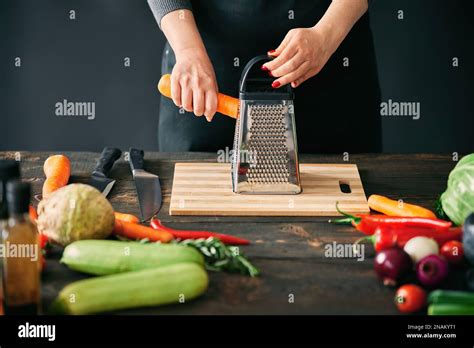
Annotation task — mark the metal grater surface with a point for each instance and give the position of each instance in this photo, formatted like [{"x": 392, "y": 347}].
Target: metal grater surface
[
  {"x": 265, "y": 155},
  {"x": 265, "y": 158},
  {"x": 267, "y": 144}
]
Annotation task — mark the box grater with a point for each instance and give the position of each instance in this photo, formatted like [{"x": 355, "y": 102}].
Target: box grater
[{"x": 265, "y": 155}]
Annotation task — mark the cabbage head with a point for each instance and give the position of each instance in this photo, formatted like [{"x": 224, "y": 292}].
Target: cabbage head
[{"x": 458, "y": 199}]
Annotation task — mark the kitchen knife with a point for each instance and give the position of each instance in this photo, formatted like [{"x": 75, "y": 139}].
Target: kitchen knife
[
  {"x": 99, "y": 178},
  {"x": 147, "y": 186}
]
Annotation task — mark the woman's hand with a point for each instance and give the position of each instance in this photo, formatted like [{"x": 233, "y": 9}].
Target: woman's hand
[
  {"x": 193, "y": 83},
  {"x": 301, "y": 55},
  {"x": 305, "y": 51}
]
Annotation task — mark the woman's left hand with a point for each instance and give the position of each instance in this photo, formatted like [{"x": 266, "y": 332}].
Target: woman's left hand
[{"x": 301, "y": 55}]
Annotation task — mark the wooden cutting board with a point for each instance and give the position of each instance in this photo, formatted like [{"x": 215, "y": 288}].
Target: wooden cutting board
[{"x": 206, "y": 189}]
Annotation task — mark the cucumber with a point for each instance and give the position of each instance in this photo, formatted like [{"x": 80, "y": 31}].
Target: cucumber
[
  {"x": 151, "y": 287},
  {"x": 450, "y": 309},
  {"x": 451, "y": 297},
  {"x": 101, "y": 257}
]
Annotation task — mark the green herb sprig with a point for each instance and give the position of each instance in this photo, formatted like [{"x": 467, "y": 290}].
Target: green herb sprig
[{"x": 219, "y": 257}]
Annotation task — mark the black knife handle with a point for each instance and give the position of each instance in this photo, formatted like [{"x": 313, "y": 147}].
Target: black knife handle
[
  {"x": 106, "y": 161},
  {"x": 136, "y": 159}
]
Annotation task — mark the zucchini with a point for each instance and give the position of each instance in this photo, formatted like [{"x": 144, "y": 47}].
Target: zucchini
[
  {"x": 101, "y": 257},
  {"x": 150, "y": 287},
  {"x": 450, "y": 309},
  {"x": 451, "y": 297}
]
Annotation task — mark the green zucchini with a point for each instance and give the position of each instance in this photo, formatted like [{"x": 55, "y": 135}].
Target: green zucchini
[
  {"x": 101, "y": 257},
  {"x": 451, "y": 297},
  {"x": 450, "y": 309},
  {"x": 151, "y": 287}
]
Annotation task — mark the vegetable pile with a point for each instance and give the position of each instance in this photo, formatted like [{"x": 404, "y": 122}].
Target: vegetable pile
[
  {"x": 410, "y": 241},
  {"x": 145, "y": 266}
]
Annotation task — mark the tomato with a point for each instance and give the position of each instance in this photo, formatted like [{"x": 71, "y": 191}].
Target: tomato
[
  {"x": 410, "y": 298},
  {"x": 453, "y": 251}
]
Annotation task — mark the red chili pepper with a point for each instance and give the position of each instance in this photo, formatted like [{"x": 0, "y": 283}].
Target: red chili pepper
[
  {"x": 187, "y": 234},
  {"x": 388, "y": 237},
  {"x": 368, "y": 224},
  {"x": 43, "y": 241}
]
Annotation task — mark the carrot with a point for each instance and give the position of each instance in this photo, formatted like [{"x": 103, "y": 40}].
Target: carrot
[
  {"x": 126, "y": 217},
  {"x": 226, "y": 105},
  {"x": 57, "y": 169},
  {"x": 391, "y": 207},
  {"x": 136, "y": 231},
  {"x": 33, "y": 214}
]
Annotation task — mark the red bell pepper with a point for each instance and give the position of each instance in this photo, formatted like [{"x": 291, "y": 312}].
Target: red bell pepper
[{"x": 187, "y": 234}]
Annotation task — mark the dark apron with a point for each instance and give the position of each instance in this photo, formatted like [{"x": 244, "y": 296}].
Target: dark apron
[{"x": 336, "y": 111}]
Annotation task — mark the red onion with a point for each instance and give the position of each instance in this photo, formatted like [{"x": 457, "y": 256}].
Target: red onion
[
  {"x": 391, "y": 264},
  {"x": 432, "y": 270}
]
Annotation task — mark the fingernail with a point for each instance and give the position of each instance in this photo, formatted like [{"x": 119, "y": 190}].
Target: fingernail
[
  {"x": 209, "y": 119},
  {"x": 264, "y": 68},
  {"x": 270, "y": 74},
  {"x": 271, "y": 52},
  {"x": 276, "y": 84}
]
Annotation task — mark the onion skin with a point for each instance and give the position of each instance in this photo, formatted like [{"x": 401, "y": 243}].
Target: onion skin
[
  {"x": 420, "y": 247},
  {"x": 391, "y": 264},
  {"x": 432, "y": 270}
]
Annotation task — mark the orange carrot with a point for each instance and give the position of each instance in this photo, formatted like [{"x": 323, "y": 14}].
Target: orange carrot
[
  {"x": 226, "y": 105},
  {"x": 33, "y": 214},
  {"x": 126, "y": 217},
  {"x": 391, "y": 207},
  {"x": 57, "y": 169},
  {"x": 136, "y": 231}
]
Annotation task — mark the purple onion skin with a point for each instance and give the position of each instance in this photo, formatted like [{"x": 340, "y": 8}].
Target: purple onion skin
[
  {"x": 391, "y": 264},
  {"x": 432, "y": 270}
]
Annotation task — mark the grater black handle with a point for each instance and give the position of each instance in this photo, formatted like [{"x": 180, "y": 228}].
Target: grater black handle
[{"x": 248, "y": 66}]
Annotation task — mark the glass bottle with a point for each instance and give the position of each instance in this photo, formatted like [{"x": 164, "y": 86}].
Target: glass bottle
[
  {"x": 9, "y": 170},
  {"x": 21, "y": 262}
]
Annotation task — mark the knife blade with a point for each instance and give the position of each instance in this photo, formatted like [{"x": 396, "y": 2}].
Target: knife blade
[
  {"x": 99, "y": 178},
  {"x": 147, "y": 186}
]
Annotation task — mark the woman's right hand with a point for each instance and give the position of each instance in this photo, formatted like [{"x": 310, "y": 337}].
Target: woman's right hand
[{"x": 193, "y": 83}]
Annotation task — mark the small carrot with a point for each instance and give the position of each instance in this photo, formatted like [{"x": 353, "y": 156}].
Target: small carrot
[
  {"x": 57, "y": 169},
  {"x": 126, "y": 217},
  {"x": 391, "y": 207},
  {"x": 33, "y": 214},
  {"x": 226, "y": 105},
  {"x": 136, "y": 231}
]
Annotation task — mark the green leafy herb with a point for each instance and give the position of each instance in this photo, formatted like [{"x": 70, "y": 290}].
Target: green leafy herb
[{"x": 219, "y": 257}]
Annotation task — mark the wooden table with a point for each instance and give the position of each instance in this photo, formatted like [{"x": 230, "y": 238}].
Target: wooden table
[{"x": 289, "y": 251}]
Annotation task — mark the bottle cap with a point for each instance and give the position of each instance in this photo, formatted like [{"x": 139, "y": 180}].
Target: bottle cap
[
  {"x": 9, "y": 170},
  {"x": 18, "y": 197}
]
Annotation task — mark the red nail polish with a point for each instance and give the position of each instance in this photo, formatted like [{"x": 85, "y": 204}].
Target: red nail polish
[
  {"x": 270, "y": 74},
  {"x": 264, "y": 68},
  {"x": 276, "y": 84},
  {"x": 271, "y": 52}
]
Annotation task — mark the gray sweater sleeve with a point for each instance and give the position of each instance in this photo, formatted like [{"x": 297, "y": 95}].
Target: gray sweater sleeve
[{"x": 160, "y": 8}]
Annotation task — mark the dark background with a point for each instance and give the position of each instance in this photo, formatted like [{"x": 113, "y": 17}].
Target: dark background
[{"x": 83, "y": 60}]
